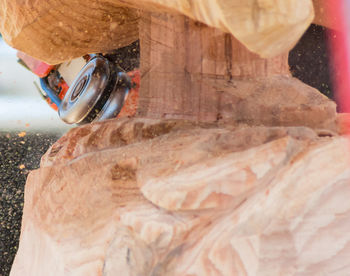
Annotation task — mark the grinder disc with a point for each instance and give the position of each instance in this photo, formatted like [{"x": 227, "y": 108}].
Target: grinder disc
[{"x": 89, "y": 91}]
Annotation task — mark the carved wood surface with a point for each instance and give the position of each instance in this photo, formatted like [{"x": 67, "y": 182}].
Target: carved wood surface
[
  {"x": 55, "y": 31},
  {"x": 242, "y": 188},
  {"x": 155, "y": 197},
  {"x": 268, "y": 28},
  {"x": 192, "y": 71}
]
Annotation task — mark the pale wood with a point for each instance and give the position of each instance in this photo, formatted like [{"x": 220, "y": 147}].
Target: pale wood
[
  {"x": 56, "y": 31},
  {"x": 224, "y": 193},
  {"x": 192, "y": 71},
  {"x": 268, "y": 27},
  {"x": 189, "y": 70},
  {"x": 155, "y": 197}
]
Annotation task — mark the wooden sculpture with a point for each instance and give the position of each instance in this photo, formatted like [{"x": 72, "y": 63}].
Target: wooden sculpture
[
  {"x": 55, "y": 31},
  {"x": 160, "y": 197},
  {"x": 231, "y": 166}
]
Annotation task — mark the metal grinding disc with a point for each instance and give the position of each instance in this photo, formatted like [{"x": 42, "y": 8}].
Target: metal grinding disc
[
  {"x": 116, "y": 100},
  {"x": 89, "y": 91}
]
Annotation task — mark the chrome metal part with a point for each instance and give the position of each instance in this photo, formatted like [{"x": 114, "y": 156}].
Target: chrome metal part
[
  {"x": 116, "y": 100},
  {"x": 97, "y": 93},
  {"x": 86, "y": 91}
]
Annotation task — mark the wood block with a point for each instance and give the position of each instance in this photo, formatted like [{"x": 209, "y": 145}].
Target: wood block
[
  {"x": 195, "y": 72},
  {"x": 56, "y": 31},
  {"x": 165, "y": 197}
]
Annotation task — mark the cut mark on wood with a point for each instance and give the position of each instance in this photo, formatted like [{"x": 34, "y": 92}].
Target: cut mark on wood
[{"x": 228, "y": 55}]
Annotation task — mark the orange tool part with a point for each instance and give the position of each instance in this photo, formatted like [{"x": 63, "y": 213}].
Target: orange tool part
[
  {"x": 38, "y": 67},
  {"x": 130, "y": 105},
  {"x": 63, "y": 88}
]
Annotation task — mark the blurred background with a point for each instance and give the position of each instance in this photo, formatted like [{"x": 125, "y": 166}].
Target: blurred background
[
  {"x": 28, "y": 126},
  {"x": 21, "y": 107}
]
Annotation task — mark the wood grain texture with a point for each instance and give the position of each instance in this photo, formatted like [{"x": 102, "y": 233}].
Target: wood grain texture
[
  {"x": 165, "y": 197},
  {"x": 56, "y": 31},
  {"x": 195, "y": 72},
  {"x": 268, "y": 27}
]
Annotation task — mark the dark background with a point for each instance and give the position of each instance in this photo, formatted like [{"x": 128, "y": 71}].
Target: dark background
[
  {"x": 18, "y": 155},
  {"x": 308, "y": 62}
]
